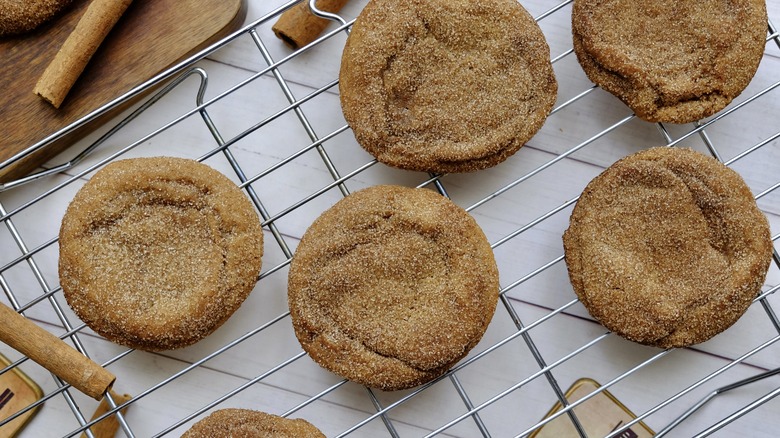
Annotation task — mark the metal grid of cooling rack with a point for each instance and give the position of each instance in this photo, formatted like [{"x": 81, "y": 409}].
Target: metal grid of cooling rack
[{"x": 30, "y": 251}]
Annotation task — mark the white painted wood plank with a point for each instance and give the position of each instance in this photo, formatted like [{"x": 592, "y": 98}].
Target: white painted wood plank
[
  {"x": 486, "y": 380},
  {"x": 166, "y": 406}
]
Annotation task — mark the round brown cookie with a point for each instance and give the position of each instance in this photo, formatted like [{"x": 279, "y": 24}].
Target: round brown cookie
[
  {"x": 22, "y": 16},
  {"x": 445, "y": 86},
  {"x": 668, "y": 60},
  {"x": 156, "y": 253},
  {"x": 392, "y": 286},
  {"x": 245, "y": 423},
  {"x": 667, "y": 247}
]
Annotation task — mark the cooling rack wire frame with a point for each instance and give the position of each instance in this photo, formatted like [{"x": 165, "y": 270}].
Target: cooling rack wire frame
[{"x": 279, "y": 125}]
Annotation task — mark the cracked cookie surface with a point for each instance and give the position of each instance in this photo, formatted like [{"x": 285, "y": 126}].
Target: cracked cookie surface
[
  {"x": 445, "y": 86},
  {"x": 667, "y": 247},
  {"x": 670, "y": 61},
  {"x": 157, "y": 253},
  {"x": 392, "y": 286}
]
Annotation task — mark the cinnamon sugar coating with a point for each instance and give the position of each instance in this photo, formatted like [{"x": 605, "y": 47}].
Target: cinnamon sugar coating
[
  {"x": 245, "y": 423},
  {"x": 668, "y": 60},
  {"x": 667, "y": 247},
  {"x": 21, "y": 16},
  {"x": 392, "y": 286},
  {"x": 445, "y": 85},
  {"x": 157, "y": 253}
]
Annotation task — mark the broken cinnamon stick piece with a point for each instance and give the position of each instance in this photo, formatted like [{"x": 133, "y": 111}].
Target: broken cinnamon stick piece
[
  {"x": 78, "y": 48},
  {"x": 54, "y": 354},
  {"x": 298, "y": 26},
  {"x": 107, "y": 427}
]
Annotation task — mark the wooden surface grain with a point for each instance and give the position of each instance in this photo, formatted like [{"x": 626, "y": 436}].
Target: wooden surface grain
[{"x": 149, "y": 37}]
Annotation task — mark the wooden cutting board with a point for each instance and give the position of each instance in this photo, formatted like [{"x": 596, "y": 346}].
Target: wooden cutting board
[{"x": 151, "y": 36}]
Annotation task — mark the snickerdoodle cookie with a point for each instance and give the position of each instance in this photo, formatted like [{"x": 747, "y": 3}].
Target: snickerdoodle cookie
[
  {"x": 668, "y": 60},
  {"x": 21, "y": 16},
  {"x": 667, "y": 247},
  {"x": 157, "y": 253},
  {"x": 245, "y": 423},
  {"x": 392, "y": 286},
  {"x": 445, "y": 85}
]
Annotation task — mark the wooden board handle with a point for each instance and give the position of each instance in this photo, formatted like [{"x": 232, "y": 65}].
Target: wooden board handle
[{"x": 53, "y": 354}]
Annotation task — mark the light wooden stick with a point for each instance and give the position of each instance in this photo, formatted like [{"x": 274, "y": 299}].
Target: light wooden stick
[
  {"x": 53, "y": 354},
  {"x": 107, "y": 427},
  {"x": 78, "y": 48},
  {"x": 297, "y": 26}
]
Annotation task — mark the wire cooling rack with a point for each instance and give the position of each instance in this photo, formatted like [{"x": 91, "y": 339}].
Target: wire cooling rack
[{"x": 280, "y": 126}]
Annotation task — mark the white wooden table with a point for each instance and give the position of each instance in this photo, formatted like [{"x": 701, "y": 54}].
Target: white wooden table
[{"x": 301, "y": 158}]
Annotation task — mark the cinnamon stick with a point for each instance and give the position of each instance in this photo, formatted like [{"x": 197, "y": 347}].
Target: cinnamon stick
[
  {"x": 78, "y": 48},
  {"x": 107, "y": 427},
  {"x": 53, "y": 354},
  {"x": 298, "y": 26}
]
